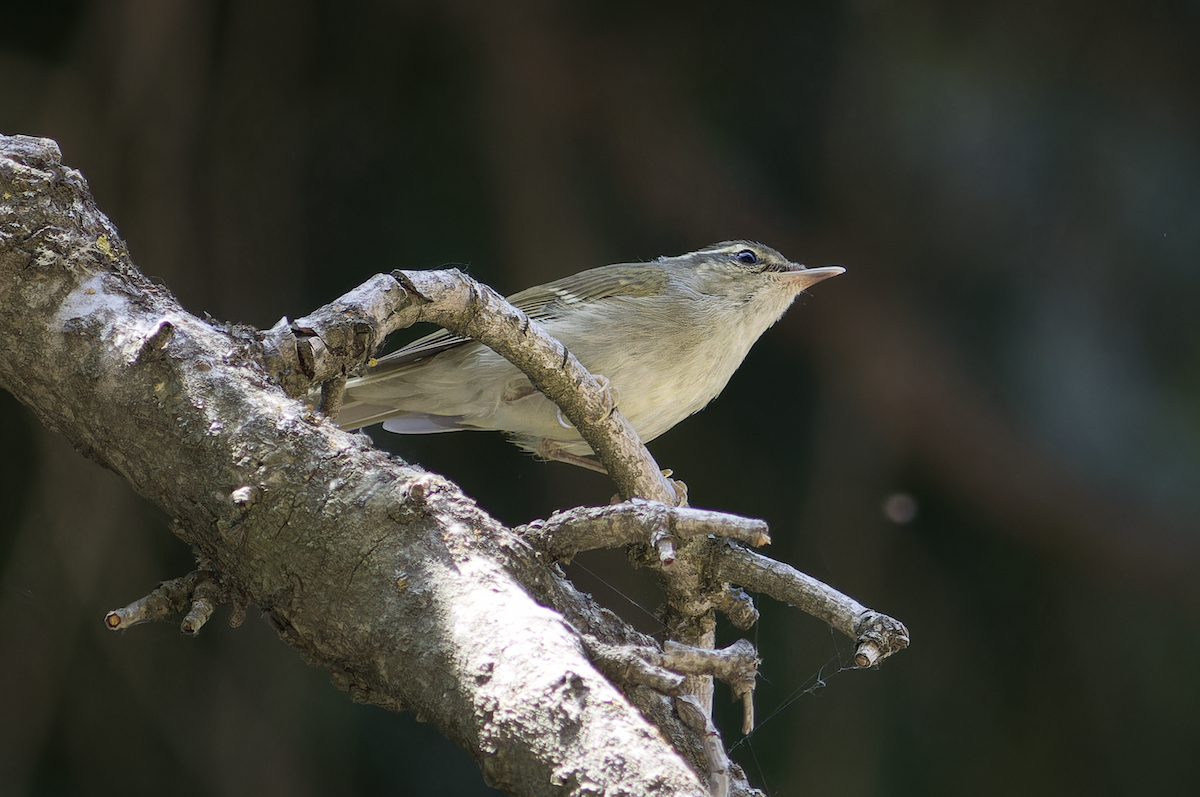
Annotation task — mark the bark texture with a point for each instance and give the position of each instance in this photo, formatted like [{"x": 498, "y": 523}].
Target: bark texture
[
  {"x": 382, "y": 573},
  {"x": 372, "y": 568}
]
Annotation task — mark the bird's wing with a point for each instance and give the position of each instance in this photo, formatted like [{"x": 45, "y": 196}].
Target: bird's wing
[{"x": 542, "y": 303}]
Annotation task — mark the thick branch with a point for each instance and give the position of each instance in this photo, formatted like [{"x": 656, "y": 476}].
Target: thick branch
[
  {"x": 382, "y": 573},
  {"x": 465, "y": 307}
]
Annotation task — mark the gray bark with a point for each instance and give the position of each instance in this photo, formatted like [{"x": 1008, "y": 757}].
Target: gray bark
[
  {"x": 388, "y": 576},
  {"x": 385, "y": 575}
]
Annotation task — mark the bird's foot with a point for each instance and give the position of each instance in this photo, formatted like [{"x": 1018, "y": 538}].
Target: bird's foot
[{"x": 552, "y": 450}]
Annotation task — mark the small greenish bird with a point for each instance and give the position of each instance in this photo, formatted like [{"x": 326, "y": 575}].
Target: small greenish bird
[{"x": 666, "y": 335}]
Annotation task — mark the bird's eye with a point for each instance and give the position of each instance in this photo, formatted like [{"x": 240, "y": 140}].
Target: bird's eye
[{"x": 747, "y": 258}]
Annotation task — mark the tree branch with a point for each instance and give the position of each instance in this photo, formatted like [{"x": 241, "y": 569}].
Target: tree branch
[
  {"x": 878, "y": 635},
  {"x": 383, "y": 574},
  {"x": 386, "y": 575},
  {"x": 564, "y": 534},
  {"x": 338, "y": 337}
]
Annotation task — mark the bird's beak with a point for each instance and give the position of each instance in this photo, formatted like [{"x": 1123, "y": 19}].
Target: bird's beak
[{"x": 804, "y": 278}]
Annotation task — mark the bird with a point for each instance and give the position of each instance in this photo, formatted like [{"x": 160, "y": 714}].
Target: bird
[{"x": 665, "y": 336}]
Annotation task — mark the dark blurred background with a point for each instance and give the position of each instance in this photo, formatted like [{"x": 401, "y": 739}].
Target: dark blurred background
[{"x": 988, "y": 428}]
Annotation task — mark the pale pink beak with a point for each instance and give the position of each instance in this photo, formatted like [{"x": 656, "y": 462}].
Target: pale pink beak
[{"x": 807, "y": 277}]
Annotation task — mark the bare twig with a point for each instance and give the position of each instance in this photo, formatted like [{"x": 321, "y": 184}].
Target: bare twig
[
  {"x": 736, "y": 665},
  {"x": 697, "y": 716},
  {"x": 878, "y": 635},
  {"x": 564, "y": 534},
  {"x": 200, "y": 592},
  {"x": 633, "y": 664},
  {"x": 168, "y": 598}
]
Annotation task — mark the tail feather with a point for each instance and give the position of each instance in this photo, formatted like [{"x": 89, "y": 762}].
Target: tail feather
[{"x": 357, "y": 414}]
